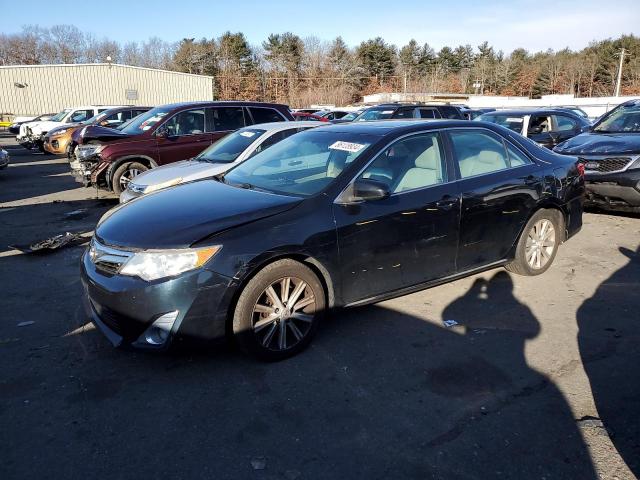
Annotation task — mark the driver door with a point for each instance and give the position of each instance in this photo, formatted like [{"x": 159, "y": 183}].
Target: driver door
[
  {"x": 411, "y": 236},
  {"x": 185, "y": 136}
]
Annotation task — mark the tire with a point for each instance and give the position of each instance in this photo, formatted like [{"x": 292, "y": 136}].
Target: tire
[
  {"x": 124, "y": 174},
  {"x": 264, "y": 326},
  {"x": 537, "y": 246}
]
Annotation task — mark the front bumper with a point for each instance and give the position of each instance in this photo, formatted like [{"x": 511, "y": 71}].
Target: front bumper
[
  {"x": 56, "y": 146},
  {"x": 615, "y": 191},
  {"x": 123, "y": 308},
  {"x": 4, "y": 160}
]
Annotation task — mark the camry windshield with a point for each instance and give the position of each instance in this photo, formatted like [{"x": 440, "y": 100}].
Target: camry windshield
[
  {"x": 375, "y": 114},
  {"x": 145, "y": 121},
  {"x": 228, "y": 148},
  {"x": 512, "y": 122},
  {"x": 59, "y": 116},
  {"x": 303, "y": 164},
  {"x": 625, "y": 118}
]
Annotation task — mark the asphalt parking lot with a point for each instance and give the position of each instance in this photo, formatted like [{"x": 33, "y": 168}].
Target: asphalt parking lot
[{"x": 540, "y": 379}]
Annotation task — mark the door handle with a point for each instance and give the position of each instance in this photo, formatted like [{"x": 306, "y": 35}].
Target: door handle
[{"x": 447, "y": 202}]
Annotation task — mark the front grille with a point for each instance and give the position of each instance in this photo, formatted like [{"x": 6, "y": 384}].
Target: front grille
[
  {"x": 605, "y": 164},
  {"x": 106, "y": 259}
]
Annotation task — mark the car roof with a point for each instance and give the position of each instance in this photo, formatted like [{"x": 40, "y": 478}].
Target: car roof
[
  {"x": 221, "y": 103},
  {"x": 530, "y": 111},
  {"x": 382, "y": 127},
  {"x": 277, "y": 126}
]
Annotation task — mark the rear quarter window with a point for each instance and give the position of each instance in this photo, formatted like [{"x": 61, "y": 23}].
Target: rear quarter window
[{"x": 265, "y": 115}]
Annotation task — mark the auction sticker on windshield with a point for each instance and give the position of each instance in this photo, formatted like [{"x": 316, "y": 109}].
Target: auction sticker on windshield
[{"x": 347, "y": 146}]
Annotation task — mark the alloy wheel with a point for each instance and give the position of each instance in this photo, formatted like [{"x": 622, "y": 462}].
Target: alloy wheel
[
  {"x": 541, "y": 242},
  {"x": 127, "y": 176},
  {"x": 284, "y": 313}
]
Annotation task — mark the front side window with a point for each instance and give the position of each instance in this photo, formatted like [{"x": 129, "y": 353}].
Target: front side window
[
  {"x": 375, "y": 114},
  {"x": 512, "y": 122},
  {"x": 478, "y": 153},
  {"x": 229, "y": 148},
  {"x": 410, "y": 163},
  {"x": 450, "y": 112},
  {"x": 265, "y": 115},
  {"x": 303, "y": 164},
  {"x": 564, "y": 123},
  {"x": 625, "y": 118},
  {"x": 404, "y": 113},
  {"x": 188, "y": 122},
  {"x": 80, "y": 116},
  {"x": 227, "y": 118}
]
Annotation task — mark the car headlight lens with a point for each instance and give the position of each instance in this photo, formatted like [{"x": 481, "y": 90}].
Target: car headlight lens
[
  {"x": 86, "y": 151},
  {"x": 152, "y": 265},
  {"x": 163, "y": 185}
]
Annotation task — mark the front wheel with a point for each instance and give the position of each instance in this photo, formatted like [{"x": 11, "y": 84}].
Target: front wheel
[
  {"x": 538, "y": 244},
  {"x": 278, "y": 311},
  {"x": 124, "y": 174}
]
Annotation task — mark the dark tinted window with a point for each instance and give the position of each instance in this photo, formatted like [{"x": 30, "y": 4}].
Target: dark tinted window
[
  {"x": 227, "y": 118},
  {"x": 478, "y": 152},
  {"x": 265, "y": 115},
  {"x": 450, "y": 112},
  {"x": 429, "y": 113}
]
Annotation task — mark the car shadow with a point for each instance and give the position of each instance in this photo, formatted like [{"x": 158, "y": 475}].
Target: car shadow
[
  {"x": 610, "y": 349},
  {"x": 380, "y": 393}
]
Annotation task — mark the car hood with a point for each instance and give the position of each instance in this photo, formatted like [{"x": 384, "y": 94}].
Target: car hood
[
  {"x": 183, "y": 215},
  {"x": 601, "y": 143},
  {"x": 104, "y": 134},
  {"x": 187, "y": 170},
  {"x": 39, "y": 127}
]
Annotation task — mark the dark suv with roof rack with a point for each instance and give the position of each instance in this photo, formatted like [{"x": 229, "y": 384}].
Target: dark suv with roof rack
[
  {"x": 610, "y": 153},
  {"x": 110, "y": 158},
  {"x": 407, "y": 111}
]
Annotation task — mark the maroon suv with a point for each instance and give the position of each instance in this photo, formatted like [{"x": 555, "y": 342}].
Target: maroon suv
[{"x": 110, "y": 158}]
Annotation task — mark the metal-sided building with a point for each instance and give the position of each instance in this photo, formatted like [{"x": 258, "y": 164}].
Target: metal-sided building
[{"x": 37, "y": 89}]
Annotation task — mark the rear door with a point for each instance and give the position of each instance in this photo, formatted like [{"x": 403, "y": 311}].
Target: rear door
[
  {"x": 408, "y": 238},
  {"x": 500, "y": 185},
  {"x": 186, "y": 136}
]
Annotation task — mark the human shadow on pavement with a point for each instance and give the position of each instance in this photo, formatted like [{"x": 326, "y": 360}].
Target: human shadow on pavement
[
  {"x": 609, "y": 341},
  {"x": 380, "y": 394}
]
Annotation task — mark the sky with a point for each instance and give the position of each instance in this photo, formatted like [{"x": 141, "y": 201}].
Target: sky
[{"x": 533, "y": 25}]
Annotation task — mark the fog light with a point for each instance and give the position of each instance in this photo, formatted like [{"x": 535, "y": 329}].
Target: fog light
[{"x": 159, "y": 331}]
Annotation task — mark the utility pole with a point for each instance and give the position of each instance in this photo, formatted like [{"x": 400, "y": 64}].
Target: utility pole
[{"x": 620, "y": 72}]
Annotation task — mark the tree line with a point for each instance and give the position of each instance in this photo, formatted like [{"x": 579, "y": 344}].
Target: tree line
[{"x": 300, "y": 71}]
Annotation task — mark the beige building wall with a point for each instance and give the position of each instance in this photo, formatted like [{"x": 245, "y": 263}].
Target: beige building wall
[{"x": 36, "y": 89}]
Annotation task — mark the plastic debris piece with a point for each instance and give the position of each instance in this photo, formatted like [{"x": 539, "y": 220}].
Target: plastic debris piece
[
  {"x": 450, "y": 323},
  {"x": 26, "y": 324},
  {"x": 49, "y": 244}
]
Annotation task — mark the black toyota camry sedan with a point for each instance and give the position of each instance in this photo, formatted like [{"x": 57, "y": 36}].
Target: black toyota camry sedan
[{"x": 337, "y": 216}]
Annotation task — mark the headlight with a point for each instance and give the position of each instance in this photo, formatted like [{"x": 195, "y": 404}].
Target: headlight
[
  {"x": 154, "y": 264},
  {"x": 163, "y": 185},
  {"x": 86, "y": 151}
]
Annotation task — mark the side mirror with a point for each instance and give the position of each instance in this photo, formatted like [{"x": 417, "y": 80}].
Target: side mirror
[{"x": 368, "y": 190}]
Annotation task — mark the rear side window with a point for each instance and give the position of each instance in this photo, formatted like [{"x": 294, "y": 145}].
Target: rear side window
[
  {"x": 227, "y": 118},
  {"x": 516, "y": 157},
  {"x": 478, "y": 153},
  {"x": 265, "y": 115}
]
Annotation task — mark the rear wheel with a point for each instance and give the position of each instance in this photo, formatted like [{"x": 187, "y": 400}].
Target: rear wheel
[
  {"x": 538, "y": 244},
  {"x": 124, "y": 174},
  {"x": 278, "y": 311}
]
